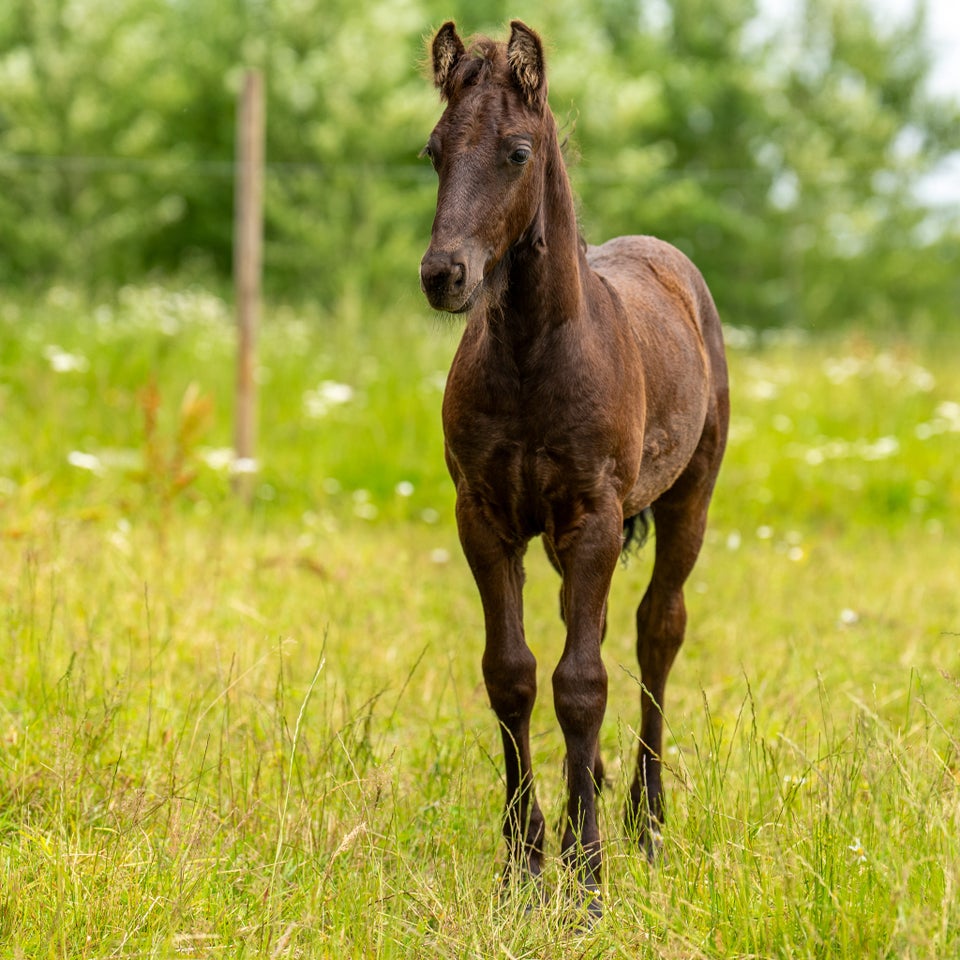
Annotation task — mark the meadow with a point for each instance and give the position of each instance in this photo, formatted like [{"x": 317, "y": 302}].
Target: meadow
[{"x": 233, "y": 731}]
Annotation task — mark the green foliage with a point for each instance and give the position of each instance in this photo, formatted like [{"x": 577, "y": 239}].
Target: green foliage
[
  {"x": 785, "y": 164},
  {"x": 266, "y": 733}
]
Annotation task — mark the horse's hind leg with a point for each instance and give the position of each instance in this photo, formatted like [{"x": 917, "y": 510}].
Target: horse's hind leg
[{"x": 680, "y": 518}]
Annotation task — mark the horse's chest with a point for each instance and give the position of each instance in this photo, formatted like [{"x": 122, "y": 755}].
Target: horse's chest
[{"x": 529, "y": 477}]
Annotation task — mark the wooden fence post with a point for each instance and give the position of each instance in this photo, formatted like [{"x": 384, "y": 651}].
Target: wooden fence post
[{"x": 247, "y": 270}]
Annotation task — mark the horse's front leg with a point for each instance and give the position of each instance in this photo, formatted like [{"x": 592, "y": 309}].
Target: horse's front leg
[
  {"x": 510, "y": 674},
  {"x": 588, "y": 557}
]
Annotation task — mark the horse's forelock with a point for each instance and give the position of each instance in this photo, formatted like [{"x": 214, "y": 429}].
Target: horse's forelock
[{"x": 483, "y": 56}]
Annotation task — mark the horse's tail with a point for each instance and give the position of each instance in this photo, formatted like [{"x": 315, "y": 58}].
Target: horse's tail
[{"x": 636, "y": 532}]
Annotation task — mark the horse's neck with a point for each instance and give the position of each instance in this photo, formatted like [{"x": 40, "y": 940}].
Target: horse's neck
[{"x": 545, "y": 284}]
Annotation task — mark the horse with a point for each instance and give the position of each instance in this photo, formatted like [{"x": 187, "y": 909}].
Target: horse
[{"x": 588, "y": 393}]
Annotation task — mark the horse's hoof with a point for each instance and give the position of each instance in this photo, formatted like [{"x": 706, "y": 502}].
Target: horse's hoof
[
  {"x": 534, "y": 894},
  {"x": 651, "y": 843},
  {"x": 527, "y": 887},
  {"x": 646, "y": 831},
  {"x": 589, "y": 911}
]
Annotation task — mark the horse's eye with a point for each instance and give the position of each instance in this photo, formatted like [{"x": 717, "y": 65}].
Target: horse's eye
[{"x": 520, "y": 156}]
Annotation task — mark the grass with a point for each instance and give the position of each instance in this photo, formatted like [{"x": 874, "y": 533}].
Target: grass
[{"x": 231, "y": 733}]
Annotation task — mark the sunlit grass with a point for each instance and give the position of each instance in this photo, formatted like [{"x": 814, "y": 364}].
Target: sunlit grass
[{"x": 265, "y": 733}]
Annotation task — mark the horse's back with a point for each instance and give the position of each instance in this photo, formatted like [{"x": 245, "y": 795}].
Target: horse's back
[
  {"x": 652, "y": 276},
  {"x": 663, "y": 294}
]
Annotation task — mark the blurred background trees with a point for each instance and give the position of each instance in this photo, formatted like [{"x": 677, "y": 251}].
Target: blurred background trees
[{"x": 787, "y": 159}]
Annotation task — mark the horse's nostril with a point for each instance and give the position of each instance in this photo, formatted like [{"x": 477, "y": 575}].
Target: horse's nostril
[
  {"x": 443, "y": 278},
  {"x": 433, "y": 273}
]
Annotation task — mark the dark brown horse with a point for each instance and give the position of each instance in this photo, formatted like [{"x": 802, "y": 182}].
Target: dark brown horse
[{"x": 589, "y": 386}]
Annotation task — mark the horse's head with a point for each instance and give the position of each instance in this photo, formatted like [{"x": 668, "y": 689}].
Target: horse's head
[{"x": 489, "y": 153}]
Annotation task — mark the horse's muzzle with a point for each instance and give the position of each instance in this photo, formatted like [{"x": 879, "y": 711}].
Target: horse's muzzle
[{"x": 445, "y": 279}]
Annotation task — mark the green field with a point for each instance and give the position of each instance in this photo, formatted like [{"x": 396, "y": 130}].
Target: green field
[{"x": 263, "y": 732}]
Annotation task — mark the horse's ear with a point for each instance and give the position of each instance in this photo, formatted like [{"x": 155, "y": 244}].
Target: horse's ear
[
  {"x": 447, "y": 50},
  {"x": 525, "y": 56}
]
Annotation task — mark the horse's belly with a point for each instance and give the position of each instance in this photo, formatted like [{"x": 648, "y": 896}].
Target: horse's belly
[
  {"x": 659, "y": 470},
  {"x": 669, "y": 443}
]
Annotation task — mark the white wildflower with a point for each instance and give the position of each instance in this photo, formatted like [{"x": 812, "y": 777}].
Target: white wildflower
[
  {"x": 839, "y": 371},
  {"x": 856, "y": 848},
  {"x": 921, "y": 379},
  {"x": 219, "y": 458},
  {"x": 329, "y": 394},
  {"x": 739, "y": 338},
  {"x": 362, "y": 507},
  {"x": 245, "y": 465},
  {"x": 63, "y": 362},
  {"x": 881, "y": 449},
  {"x": 119, "y": 537},
  {"x": 763, "y": 390},
  {"x": 949, "y": 412},
  {"x": 85, "y": 461}
]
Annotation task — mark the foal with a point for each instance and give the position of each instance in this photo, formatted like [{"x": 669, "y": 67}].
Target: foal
[{"x": 590, "y": 385}]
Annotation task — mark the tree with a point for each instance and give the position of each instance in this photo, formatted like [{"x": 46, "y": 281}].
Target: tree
[
  {"x": 85, "y": 166},
  {"x": 784, "y": 161}
]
